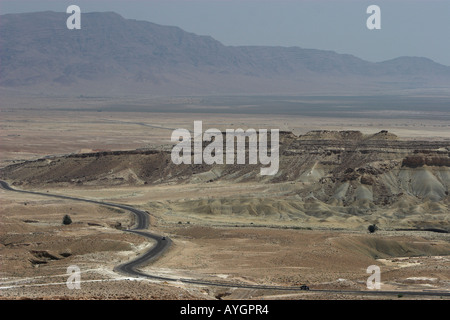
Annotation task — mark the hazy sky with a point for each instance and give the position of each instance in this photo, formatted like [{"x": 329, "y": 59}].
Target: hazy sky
[{"x": 408, "y": 27}]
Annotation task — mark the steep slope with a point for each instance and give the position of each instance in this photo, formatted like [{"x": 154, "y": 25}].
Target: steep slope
[
  {"x": 336, "y": 178},
  {"x": 344, "y": 166}
]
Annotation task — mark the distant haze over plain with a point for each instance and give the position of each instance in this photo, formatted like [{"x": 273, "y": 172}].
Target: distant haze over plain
[{"x": 408, "y": 28}]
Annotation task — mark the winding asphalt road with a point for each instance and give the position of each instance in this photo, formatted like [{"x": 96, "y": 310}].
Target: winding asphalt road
[
  {"x": 163, "y": 243},
  {"x": 141, "y": 224}
]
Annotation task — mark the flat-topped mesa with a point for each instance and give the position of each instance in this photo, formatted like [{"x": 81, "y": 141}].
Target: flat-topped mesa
[
  {"x": 282, "y": 133},
  {"x": 284, "y": 136},
  {"x": 346, "y": 135},
  {"x": 382, "y": 135}
]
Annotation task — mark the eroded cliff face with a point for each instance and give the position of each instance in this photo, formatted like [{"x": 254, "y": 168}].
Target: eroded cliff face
[
  {"x": 342, "y": 168},
  {"x": 420, "y": 160}
]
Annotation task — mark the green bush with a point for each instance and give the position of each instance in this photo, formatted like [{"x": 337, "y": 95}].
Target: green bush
[{"x": 67, "y": 219}]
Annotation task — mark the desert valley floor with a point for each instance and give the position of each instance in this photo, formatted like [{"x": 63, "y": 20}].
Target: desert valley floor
[{"x": 307, "y": 227}]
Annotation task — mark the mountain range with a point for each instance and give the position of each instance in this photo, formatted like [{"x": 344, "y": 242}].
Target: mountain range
[{"x": 111, "y": 55}]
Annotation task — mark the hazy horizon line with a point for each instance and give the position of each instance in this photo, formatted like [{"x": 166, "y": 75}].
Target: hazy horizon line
[{"x": 241, "y": 45}]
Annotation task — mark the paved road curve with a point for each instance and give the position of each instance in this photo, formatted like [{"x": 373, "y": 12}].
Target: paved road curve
[
  {"x": 141, "y": 224},
  {"x": 162, "y": 244}
]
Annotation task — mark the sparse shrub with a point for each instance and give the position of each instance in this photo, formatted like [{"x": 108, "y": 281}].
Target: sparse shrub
[
  {"x": 117, "y": 225},
  {"x": 67, "y": 220},
  {"x": 372, "y": 228}
]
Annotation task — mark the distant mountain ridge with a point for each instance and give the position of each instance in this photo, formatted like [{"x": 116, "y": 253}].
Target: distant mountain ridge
[{"x": 115, "y": 55}]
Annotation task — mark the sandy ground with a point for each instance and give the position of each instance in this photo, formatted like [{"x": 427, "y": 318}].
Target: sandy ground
[
  {"x": 203, "y": 249},
  {"x": 228, "y": 204},
  {"x": 36, "y": 249},
  {"x": 32, "y": 134}
]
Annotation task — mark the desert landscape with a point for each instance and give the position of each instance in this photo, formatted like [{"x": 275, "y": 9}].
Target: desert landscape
[
  {"x": 93, "y": 205},
  {"x": 306, "y": 225}
]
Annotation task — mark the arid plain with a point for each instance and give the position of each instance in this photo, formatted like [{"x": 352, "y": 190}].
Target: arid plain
[{"x": 216, "y": 225}]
